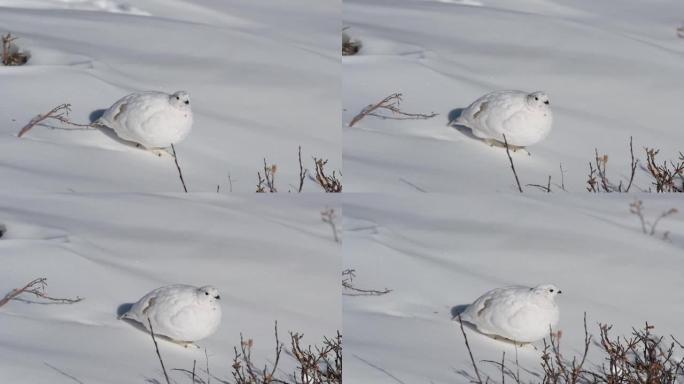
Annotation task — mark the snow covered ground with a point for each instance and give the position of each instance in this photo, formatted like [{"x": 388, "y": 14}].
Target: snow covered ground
[
  {"x": 271, "y": 259},
  {"x": 437, "y": 252},
  {"x": 264, "y": 78},
  {"x": 612, "y": 70}
]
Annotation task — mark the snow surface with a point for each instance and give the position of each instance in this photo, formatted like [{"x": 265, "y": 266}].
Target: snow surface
[
  {"x": 612, "y": 70},
  {"x": 271, "y": 259},
  {"x": 437, "y": 252},
  {"x": 264, "y": 78}
]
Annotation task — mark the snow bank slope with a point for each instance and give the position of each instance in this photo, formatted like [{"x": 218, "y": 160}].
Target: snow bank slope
[
  {"x": 262, "y": 83},
  {"x": 612, "y": 70},
  {"x": 438, "y": 252},
  {"x": 270, "y": 259}
]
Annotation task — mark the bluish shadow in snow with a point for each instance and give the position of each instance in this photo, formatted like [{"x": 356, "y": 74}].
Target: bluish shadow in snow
[
  {"x": 457, "y": 310},
  {"x": 452, "y": 116},
  {"x": 96, "y": 114},
  {"x": 123, "y": 308}
]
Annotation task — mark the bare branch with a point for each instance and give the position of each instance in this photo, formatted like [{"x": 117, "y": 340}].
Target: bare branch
[
  {"x": 470, "y": 352},
  {"x": 59, "y": 113},
  {"x": 36, "y": 287},
  {"x": 302, "y": 171},
  {"x": 348, "y": 276},
  {"x": 390, "y": 103},
  {"x": 330, "y": 184}
]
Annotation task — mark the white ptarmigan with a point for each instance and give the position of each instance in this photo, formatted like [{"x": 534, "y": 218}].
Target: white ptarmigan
[
  {"x": 525, "y": 118},
  {"x": 521, "y": 314},
  {"x": 152, "y": 119},
  {"x": 183, "y": 313}
]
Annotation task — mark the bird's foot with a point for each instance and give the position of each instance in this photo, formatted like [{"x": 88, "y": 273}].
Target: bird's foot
[
  {"x": 161, "y": 152},
  {"x": 186, "y": 344}
]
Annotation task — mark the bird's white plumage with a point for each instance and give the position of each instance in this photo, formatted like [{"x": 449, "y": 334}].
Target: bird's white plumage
[
  {"x": 151, "y": 119},
  {"x": 517, "y": 313},
  {"x": 525, "y": 118},
  {"x": 180, "y": 312}
]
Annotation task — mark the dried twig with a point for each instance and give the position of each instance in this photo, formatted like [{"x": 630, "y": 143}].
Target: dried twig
[
  {"x": 546, "y": 188},
  {"x": 330, "y": 184},
  {"x": 510, "y": 159},
  {"x": 36, "y": 287},
  {"x": 156, "y": 348},
  {"x": 180, "y": 173},
  {"x": 348, "y": 276},
  {"x": 59, "y": 113},
  {"x": 597, "y": 180},
  {"x": 470, "y": 352},
  {"x": 302, "y": 171},
  {"x": 390, "y": 103}
]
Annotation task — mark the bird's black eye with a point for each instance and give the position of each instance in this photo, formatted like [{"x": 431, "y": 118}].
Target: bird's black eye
[
  {"x": 536, "y": 98},
  {"x": 177, "y": 98},
  {"x": 207, "y": 293},
  {"x": 551, "y": 290},
  {"x": 187, "y": 102}
]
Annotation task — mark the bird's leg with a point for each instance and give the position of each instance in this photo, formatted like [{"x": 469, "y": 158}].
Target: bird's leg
[{"x": 159, "y": 152}]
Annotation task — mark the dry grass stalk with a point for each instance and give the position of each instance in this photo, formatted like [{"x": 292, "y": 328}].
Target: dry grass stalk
[
  {"x": 36, "y": 287},
  {"x": 156, "y": 348},
  {"x": 348, "y": 276},
  {"x": 510, "y": 159},
  {"x": 330, "y": 184},
  {"x": 390, "y": 103},
  {"x": 666, "y": 177},
  {"x": 546, "y": 188},
  {"x": 59, "y": 113},
  {"x": 302, "y": 171},
  {"x": 267, "y": 182},
  {"x": 11, "y": 55},
  {"x": 180, "y": 173}
]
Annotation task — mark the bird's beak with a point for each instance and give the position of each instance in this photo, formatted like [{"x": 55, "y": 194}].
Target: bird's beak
[
  {"x": 218, "y": 297},
  {"x": 559, "y": 292},
  {"x": 547, "y": 102}
]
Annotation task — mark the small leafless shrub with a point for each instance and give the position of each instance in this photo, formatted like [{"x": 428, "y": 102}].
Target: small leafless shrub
[
  {"x": 641, "y": 358},
  {"x": 36, "y": 287},
  {"x": 350, "y": 46},
  {"x": 667, "y": 176},
  {"x": 648, "y": 227},
  {"x": 348, "y": 276},
  {"x": 11, "y": 54},
  {"x": 314, "y": 364},
  {"x": 329, "y": 183},
  {"x": 597, "y": 180},
  {"x": 391, "y": 104},
  {"x": 267, "y": 182},
  {"x": 329, "y": 217},
  {"x": 59, "y": 113}
]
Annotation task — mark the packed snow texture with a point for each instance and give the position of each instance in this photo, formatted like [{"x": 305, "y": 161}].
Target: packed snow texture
[
  {"x": 270, "y": 259},
  {"x": 438, "y": 253},
  {"x": 612, "y": 70},
  {"x": 264, "y": 78}
]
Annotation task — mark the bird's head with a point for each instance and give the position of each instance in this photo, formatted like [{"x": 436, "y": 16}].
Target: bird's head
[
  {"x": 180, "y": 99},
  {"x": 208, "y": 293},
  {"x": 546, "y": 290},
  {"x": 538, "y": 99}
]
